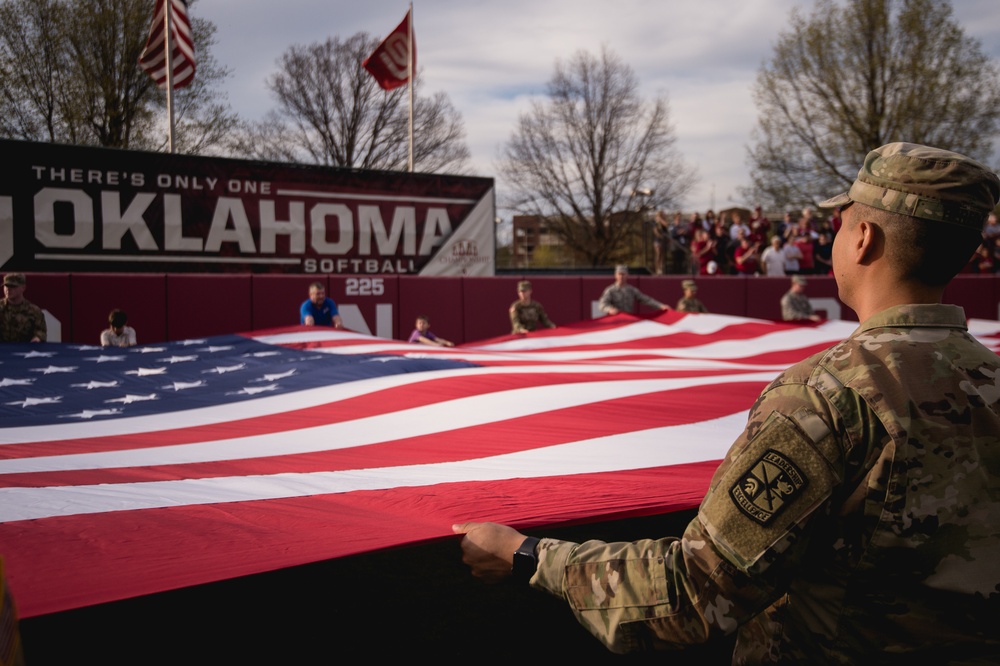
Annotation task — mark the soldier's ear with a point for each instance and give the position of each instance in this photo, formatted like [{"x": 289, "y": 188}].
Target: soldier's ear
[{"x": 869, "y": 241}]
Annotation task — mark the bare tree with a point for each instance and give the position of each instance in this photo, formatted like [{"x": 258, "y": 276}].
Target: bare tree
[
  {"x": 580, "y": 157},
  {"x": 332, "y": 112},
  {"x": 70, "y": 73},
  {"x": 105, "y": 41},
  {"x": 855, "y": 75},
  {"x": 34, "y": 95}
]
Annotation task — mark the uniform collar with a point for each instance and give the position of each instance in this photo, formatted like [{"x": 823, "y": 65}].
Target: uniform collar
[{"x": 935, "y": 315}]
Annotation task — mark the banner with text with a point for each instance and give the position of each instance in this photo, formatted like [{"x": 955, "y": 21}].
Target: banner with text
[{"x": 77, "y": 209}]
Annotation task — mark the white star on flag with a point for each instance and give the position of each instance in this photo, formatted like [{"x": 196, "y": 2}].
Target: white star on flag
[
  {"x": 52, "y": 369},
  {"x": 146, "y": 372},
  {"x": 5, "y": 382},
  {"x": 180, "y": 386},
  {"x": 129, "y": 399},
  {"x": 275, "y": 377},
  {"x": 219, "y": 370},
  {"x": 91, "y": 413},
  {"x": 177, "y": 359},
  {"x": 95, "y": 384},
  {"x": 257, "y": 389},
  {"x": 31, "y": 402}
]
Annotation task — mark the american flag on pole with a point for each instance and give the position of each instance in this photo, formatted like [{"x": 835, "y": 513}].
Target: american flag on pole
[
  {"x": 390, "y": 63},
  {"x": 153, "y": 58},
  {"x": 125, "y": 472}
]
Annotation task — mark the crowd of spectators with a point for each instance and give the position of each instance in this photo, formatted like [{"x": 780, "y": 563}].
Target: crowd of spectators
[
  {"x": 739, "y": 244},
  {"x": 800, "y": 243},
  {"x": 987, "y": 257}
]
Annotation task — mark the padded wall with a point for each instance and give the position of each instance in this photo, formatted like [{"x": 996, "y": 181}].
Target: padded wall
[
  {"x": 462, "y": 309},
  {"x": 201, "y": 305},
  {"x": 141, "y": 296},
  {"x": 437, "y": 298}
]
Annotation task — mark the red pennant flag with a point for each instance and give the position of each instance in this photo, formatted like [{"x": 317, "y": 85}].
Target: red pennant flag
[
  {"x": 153, "y": 58},
  {"x": 389, "y": 62}
]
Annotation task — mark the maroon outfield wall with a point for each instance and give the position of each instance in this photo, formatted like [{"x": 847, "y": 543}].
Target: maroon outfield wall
[{"x": 462, "y": 309}]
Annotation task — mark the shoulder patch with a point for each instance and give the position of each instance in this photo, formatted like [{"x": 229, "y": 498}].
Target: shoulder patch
[{"x": 770, "y": 484}]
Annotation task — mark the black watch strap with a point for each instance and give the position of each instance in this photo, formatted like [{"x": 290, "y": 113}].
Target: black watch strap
[{"x": 525, "y": 560}]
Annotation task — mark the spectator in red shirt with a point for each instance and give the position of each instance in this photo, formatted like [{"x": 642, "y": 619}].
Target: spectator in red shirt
[
  {"x": 747, "y": 257},
  {"x": 702, "y": 250}
]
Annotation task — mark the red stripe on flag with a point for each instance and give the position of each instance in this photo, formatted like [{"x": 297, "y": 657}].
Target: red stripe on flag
[{"x": 66, "y": 563}]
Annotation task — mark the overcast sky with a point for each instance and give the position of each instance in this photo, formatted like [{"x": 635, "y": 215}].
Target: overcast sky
[{"x": 492, "y": 58}]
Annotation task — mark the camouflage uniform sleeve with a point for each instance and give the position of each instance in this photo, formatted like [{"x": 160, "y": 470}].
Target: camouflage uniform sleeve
[
  {"x": 605, "y": 301},
  {"x": 789, "y": 311},
  {"x": 734, "y": 558},
  {"x": 635, "y": 596},
  {"x": 795, "y": 307},
  {"x": 515, "y": 319},
  {"x": 38, "y": 324}
]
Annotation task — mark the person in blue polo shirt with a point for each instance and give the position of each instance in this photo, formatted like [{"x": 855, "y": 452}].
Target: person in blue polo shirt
[{"x": 318, "y": 310}]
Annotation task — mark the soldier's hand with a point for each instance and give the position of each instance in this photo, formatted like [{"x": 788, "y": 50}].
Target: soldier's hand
[{"x": 488, "y": 549}]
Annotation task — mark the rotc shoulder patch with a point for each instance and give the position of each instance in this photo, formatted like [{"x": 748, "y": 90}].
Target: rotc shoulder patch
[{"x": 768, "y": 486}]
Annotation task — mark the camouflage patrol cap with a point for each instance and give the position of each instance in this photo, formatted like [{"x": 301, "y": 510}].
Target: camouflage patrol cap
[
  {"x": 13, "y": 279},
  {"x": 689, "y": 284},
  {"x": 524, "y": 285},
  {"x": 924, "y": 182}
]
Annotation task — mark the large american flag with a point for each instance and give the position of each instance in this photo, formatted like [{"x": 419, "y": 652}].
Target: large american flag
[
  {"x": 153, "y": 57},
  {"x": 125, "y": 472}
]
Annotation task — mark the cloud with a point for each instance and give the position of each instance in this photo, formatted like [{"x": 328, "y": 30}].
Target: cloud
[{"x": 493, "y": 58}]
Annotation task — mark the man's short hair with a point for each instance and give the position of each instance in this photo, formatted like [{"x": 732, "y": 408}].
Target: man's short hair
[
  {"x": 621, "y": 268},
  {"x": 923, "y": 250},
  {"x": 317, "y": 285}
]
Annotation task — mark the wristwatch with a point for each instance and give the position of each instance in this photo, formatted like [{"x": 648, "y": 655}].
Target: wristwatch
[{"x": 525, "y": 560}]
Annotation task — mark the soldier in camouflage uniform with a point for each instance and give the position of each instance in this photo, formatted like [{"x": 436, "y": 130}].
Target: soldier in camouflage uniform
[
  {"x": 795, "y": 305},
  {"x": 857, "y": 518},
  {"x": 20, "y": 320},
  {"x": 689, "y": 301},
  {"x": 621, "y": 296},
  {"x": 527, "y": 315}
]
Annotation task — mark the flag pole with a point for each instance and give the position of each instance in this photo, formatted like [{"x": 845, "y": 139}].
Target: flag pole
[
  {"x": 409, "y": 66},
  {"x": 169, "y": 60}
]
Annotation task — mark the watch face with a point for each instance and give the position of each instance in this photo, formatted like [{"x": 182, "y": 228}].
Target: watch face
[{"x": 525, "y": 560}]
